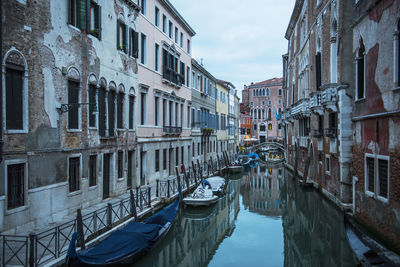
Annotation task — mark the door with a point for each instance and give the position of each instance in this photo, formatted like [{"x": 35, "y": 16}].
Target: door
[
  {"x": 142, "y": 168},
  {"x": 106, "y": 176},
  {"x": 130, "y": 169}
]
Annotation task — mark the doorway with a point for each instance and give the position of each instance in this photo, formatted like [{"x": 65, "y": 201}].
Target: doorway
[{"x": 106, "y": 176}]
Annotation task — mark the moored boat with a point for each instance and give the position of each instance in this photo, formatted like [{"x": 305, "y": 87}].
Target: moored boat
[
  {"x": 202, "y": 196},
  {"x": 235, "y": 169},
  {"x": 126, "y": 245},
  {"x": 217, "y": 184}
]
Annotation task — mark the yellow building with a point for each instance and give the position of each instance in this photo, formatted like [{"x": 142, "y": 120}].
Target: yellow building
[{"x": 222, "y": 111}]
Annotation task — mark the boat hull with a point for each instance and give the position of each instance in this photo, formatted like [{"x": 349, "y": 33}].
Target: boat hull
[{"x": 200, "y": 202}]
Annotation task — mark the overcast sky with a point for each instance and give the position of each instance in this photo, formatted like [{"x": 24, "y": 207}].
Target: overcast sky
[{"x": 239, "y": 41}]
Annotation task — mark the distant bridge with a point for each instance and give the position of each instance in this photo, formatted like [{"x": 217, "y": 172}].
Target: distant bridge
[{"x": 270, "y": 145}]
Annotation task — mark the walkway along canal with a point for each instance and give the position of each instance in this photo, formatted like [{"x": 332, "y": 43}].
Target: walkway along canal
[{"x": 265, "y": 219}]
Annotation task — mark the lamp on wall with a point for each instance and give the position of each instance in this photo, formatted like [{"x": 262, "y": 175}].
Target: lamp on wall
[{"x": 67, "y": 107}]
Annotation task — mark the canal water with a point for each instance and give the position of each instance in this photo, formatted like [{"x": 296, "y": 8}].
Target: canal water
[{"x": 264, "y": 219}]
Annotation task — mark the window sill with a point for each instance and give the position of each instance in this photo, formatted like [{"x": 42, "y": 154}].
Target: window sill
[
  {"x": 16, "y": 210},
  {"x": 93, "y": 187},
  {"x": 15, "y": 131},
  {"x": 75, "y": 193},
  {"x": 361, "y": 100},
  {"x": 396, "y": 89},
  {"x": 120, "y": 179},
  {"x": 108, "y": 137},
  {"x": 74, "y": 130},
  {"x": 93, "y": 128},
  {"x": 74, "y": 28},
  {"x": 122, "y": 52}
]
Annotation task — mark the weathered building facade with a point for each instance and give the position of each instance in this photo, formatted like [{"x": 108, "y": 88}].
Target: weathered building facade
[
  {"x": 376, "y": 116},
  {"x": 164, "y": 98},
  {"x": 204, "y": 120},
  {"x": 70, "y": 84},
  {"x": 265, "y": 102},
  {"x": 222, "y": 110}
]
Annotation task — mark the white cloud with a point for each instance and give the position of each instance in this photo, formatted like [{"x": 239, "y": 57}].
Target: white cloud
[{"x": 239, "y": 41}]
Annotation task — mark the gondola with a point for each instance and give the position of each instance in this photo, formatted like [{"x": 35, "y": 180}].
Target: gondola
[{"x": 126, "y": 245}]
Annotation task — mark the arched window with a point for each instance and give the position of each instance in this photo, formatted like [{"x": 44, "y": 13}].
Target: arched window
[
  {"x": 269, "y": 114},
  {"x": 74, "y": 80},
  {"x": 270, "y": 126},
  {"x": 120, "y": 106},
  {"x": 333, "y": 57},
  {"x": 263, "y": 114},
  {"x": 92, "y": 96},
  {"x": 360, "y": 71},
  {"x": 259, "y": 114},
  {"x": 16, "y": 92},
  {"x": 132, "y": 109},
  {"x": 111, "y": 108},
  {"x": 102, "y": 94},
  {"x": 267, "y": 91}
]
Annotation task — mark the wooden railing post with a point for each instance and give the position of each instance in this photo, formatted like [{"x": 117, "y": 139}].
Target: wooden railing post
[
  {"x": 186, "y": 178},
  {"x": 133, "y": 205},
  {"x": 194, "y": 173},
  {"x": 199, "y": 170},
  {"x": 32, "y": 238},
  {"x": 79, "y": 228},
  {"x": 178, "y": 177}
]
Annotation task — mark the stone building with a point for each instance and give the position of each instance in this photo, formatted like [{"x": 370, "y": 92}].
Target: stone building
[
  {"x": 164, "y": 97},
  {"x": 69, "y": 79},
  {"x": 222, "y": 111},
  {"x": 264, "y": 100},
  {"x": 342, "y": 105},
  {"x": 204, "y": 120},
  {"x": 376, "y": 116}
]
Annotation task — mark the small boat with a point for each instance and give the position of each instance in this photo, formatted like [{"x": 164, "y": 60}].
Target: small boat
[
  {"x": 217, "y": 184},
  {"x": 202, "y": 196},
  {"x": 367, "y": 250},
  {"x": 126, "y": 245},
  {"x": 235, "y": 169}
]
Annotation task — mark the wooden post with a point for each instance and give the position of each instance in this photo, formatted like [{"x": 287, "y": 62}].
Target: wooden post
[
  {"x": 109, "y": 215},
  {"x": 32, "y": 238},
  {"x": 218, "y": 162},
  {"x": 141, "y": 199},
  {"x": 168, "y": 193},
  {"x": 149, "y": 196},
  {"x": 199, "y": 170},
  {"x": 186, "y": 178},
  {"x": 133, "y": 205},
  {"x": 137, "y": 196},
  {"x": 295, "y": 163},
  {"x": 178, "y": 177},
  {"x": 79, "y": 228},
  {"x": 157, "y": 188},
  {"x": 194, "y": 173}
]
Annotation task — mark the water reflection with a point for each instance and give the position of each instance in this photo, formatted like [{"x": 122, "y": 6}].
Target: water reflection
[{"x": 264, "y": 219}]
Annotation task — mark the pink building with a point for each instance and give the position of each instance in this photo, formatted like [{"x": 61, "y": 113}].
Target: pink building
[{"x": 265, "y": 104}]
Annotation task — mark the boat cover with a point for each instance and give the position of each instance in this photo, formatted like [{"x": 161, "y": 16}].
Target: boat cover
[{"x": 133, "y": 239}]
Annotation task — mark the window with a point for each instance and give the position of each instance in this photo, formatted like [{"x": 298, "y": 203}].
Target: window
[
  {"x": 270, "y": 126},
  {"x": 182, "y": 73},
  {"x": 164, "y": 23},
  {"x": 120, "y": 110},
  {"x": 92, "y": 105},
  {"x": 280, "y": 92},
  {"x": 188, "y": 117},
  {"x": 176, "y": 35},
  {"x": 267, "y": 91},
  {"x": 133, "y": 43},
  {"x": 120, "y": 164},
  {"x": 188, "y": 46},
  {"x": 121, "y": 36},
  {"x": 102, "y": 111},
  {"x": 83, "y": 18},
  {"x": 73, "y": 100},
  {"x": 187, "y": 76},
  {"x": 143, "y": 48},
  {"x": 170, "y": 30},
  {"x": 73, "y": 173},
  {"x": 142, "y": 108},
  {"x": 318, "y": 64},
  {"x": 143, "y": 7},
  {"x": 177, "y": 156},
  {"x": 251, "y": 103},
  {"x": 157, "y": 16},
  {"x": 157, "y": 166},
  {"x": 164, "y": 159},
  {"x": 181, "y": 40},
  {"x": 156, "y": 110},
  {"x": 170, "y": 67},
  {"x": 377, "y": 176},
  {"x": 111, "y": 113},
  {"x": 327, "y": 164},
  {"x": 304, "y": 127},
  {"x": 164, "y": 116},
  {"x": 332, "y": 130},
  {"x": 269, "y": 114},
  {"x": 181, "y": 116},
  {"x": 397, "y": 55},
  {"x": 131, "y": 111},
  {"x": 360, "y": 71},
  {"x": 15, "y": 185},
  {"x": 182, "y": 154},
  {"x": 156, "y": 57},
  {"x": 92, "y": 170},
  {"x": 15, "y": 97}
]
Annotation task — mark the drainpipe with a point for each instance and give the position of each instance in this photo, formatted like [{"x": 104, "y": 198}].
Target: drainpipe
[
  {"x": 1, "y": 86},
  {"x": 355, "y": 180}
]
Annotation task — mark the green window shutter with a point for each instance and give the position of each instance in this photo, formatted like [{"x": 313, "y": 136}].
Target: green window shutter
[
  {"x": 130, "y": 43},
  {"x": 69, "y": 12},
  {"x": 81, "y": 14},
  {"x": 87, "y": 21},
  {"x": 98, "y": 21},
  {"x": 125, "y": 32},
  {"x": 135, "y": 44},
  {"x": 118, "y": 47}
]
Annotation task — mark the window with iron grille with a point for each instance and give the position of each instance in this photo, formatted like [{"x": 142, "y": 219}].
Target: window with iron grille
[
  {"x": 92, "y": 105},
  {"x": 383, "y": 175},
  {"x": 15, "y": 185},
  {"x": 14, "y": 99},
  {"x": 377, "y": 176},
  {"x": 111, "y": 113},
  {"x": 120, "y": 164},
  {"x": 92, "y": 170},
  {"x": 164, "y": 159},
  {"x": 73, "y": 100},
  {"x": 120, "y": 110},
  {"x": 131, "y": 111},
  {"x": 157, "y": 162},
  {"x": 73, "y": 175}
]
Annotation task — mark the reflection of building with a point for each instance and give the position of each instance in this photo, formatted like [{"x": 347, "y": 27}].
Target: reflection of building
[
  {"x": 261, "y": 190},
  {"x": 193, "y": 241},
  {"x": 313, "y": 230}
]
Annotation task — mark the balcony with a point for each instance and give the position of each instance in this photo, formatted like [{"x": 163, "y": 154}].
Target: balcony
[
  {"x": 329, "y": 97},
  {"x": 315, "y": 103},
  {"x": 172, "y": 77},
  {"x": 172, "y": 130},
  {"x": 331, "y": 132},
  {"x": 301, "y": 109},
  {"x": 318, "y": 133}
]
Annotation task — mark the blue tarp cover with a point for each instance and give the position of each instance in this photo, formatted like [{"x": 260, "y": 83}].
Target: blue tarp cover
[{"x": 133, "y": 239}]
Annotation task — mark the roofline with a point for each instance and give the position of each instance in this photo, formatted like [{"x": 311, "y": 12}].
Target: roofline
[
  {"x": 201, "y": 68},
  {"x": 265, "y": 85},
  {"x": 293, "y": 19},
  {"x": 225, "y": 83},
  {"x": 167, "y": 4}
]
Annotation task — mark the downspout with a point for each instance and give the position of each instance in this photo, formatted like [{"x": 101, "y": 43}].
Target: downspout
[{"x": 1, "y": 85}]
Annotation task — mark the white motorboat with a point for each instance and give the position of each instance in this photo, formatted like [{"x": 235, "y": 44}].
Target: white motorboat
[
  {"x": 202, "y": 196},
  {"x": 217, "y": 184}
]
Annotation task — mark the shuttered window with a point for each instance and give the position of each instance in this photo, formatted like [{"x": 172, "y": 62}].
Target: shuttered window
[
  {"x": 121, "y": 36},
  {"x": 120, "y": 164},
  {"x": 383, "y": 177},
  {"x": 370, "y": 175},
  {"x": 102, "y": 112},
  {"x": 360, "y": 71},
  {"x": 164, "y": 159},
  {"x": 92, "y": 170},
  {"x": 111, "y": 113},
  {"x": 133, "y": 43},
  {"x": 131, "y": 111},
  {"x": 318, "y": 69},
  {"x": 73, "y": 100},
  {"x": 15, "y": 185},
  {"x": 120, "y": 109},
  {"x": 85, "y": 15},
  {"x": 157, "y": 162},
  {"x": 73, "y": 176},
  {"x": 92, "y": 105},
  {"x": 14, "y": 99}
]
